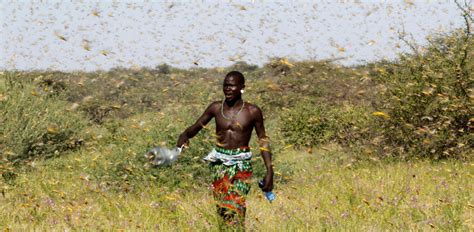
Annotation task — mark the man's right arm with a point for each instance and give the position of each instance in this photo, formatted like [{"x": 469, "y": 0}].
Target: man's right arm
[{"x": 198, "y": 125}]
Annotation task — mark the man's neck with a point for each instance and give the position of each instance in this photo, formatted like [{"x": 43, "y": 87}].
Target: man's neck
[{"x": 233, "y": 103}]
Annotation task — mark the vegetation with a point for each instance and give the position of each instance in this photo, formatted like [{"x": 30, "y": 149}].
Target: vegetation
[
  {"x": 325, "y": 191},
  {"x": 384, "y": 146},
  {"x": 428, "y": 98},
  {"x": 35, "y": 123},
  {"x": 347, "y": 125}
]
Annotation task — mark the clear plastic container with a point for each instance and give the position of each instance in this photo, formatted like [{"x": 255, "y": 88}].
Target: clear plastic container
[{"x": 160, "y": 156}]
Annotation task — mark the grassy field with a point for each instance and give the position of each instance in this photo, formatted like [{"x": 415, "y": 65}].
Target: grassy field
[
  {"x": 72, "y": 145},
  {"x": 326, "y": 190}
]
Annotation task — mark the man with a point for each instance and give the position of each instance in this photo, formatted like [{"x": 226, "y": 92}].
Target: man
[{"x": 230, "y": 159}]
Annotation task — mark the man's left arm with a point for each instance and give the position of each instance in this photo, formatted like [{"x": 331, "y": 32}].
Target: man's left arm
[{"x": 264, "y": 143}]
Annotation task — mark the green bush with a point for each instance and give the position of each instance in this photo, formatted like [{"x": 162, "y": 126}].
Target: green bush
[
  {"x": 163, "y": 68},
  {"x": 243, "y": 67},
  {"x": 310, "y": 124},
  {"x": 426, "y": 106},
  {"x": 307, "y": 124},
  {"x": 35, "y": 123},
  {"x": 353, "y": 125}
]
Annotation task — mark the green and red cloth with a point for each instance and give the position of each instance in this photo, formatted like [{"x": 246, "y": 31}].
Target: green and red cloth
[{"x": 230, "y": 185}]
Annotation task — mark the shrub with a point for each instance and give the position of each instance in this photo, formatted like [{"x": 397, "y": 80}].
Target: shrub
[
  {"x": 243, "y": 67},
  {"x": 307, "y": 124},
  {"x": 34, "y": 123},
  {"x": 427, "y": 101},
  {"x": 163, "y": 69},
  {"x": 353, "y": 126},
  {"x": 311, "y": 124},
  {"x": 278, "y": 66}
]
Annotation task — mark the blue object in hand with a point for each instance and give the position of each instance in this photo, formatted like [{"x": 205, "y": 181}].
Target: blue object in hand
[{"x": 269, "y": 195}]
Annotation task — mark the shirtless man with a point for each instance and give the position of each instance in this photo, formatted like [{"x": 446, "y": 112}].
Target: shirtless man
[{"x": 230, "y": 159}]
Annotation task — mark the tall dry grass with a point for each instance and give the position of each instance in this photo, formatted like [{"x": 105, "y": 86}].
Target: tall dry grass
[{"x": 327, "y": 190}]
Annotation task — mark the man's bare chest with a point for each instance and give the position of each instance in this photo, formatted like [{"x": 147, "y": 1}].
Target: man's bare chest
[{"x": 241, "y": 122}]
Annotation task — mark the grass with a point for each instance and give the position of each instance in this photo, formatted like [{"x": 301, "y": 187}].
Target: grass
[
  {"x": 345, "y": 181},
  {"x": 327, "y": 190}
]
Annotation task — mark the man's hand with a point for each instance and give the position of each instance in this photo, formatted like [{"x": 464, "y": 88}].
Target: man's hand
[
  {"x": 182, "y": 143},
  {"x": 268, "y": 181}
]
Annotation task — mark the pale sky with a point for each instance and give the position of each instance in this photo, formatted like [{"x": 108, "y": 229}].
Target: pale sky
[{"x": 92, "y": 35}]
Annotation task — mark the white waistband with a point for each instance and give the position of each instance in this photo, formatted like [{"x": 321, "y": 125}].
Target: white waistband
[{"x": 228, "y": 160}]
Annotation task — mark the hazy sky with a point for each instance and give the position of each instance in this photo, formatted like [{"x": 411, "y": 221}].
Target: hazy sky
[{"x": 90, "y": 35}]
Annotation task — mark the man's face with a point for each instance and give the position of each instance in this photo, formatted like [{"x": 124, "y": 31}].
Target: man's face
[{"x": 231, "y": 88}]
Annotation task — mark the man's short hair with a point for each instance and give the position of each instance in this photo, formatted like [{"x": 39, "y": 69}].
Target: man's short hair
[{"x": 237, "y": 75}]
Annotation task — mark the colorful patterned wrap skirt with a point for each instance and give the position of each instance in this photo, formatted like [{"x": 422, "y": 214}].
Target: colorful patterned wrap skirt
[{"x": 231, "y": 172}]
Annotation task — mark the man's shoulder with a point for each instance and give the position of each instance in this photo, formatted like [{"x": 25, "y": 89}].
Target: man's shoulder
[
  {"x": 214, "y": 105},
  {"x": 252, "y": 107}
]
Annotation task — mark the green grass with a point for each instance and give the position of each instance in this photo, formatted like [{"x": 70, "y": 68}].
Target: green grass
[{"x": 327, "y": 190}]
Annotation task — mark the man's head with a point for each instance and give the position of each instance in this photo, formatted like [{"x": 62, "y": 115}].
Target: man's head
[{"x": 234, "y": 82}]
